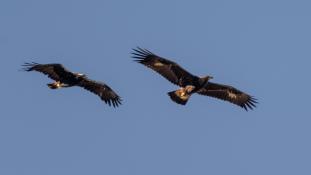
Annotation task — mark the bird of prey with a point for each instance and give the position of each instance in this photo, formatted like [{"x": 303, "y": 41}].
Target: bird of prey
[
  {"x": 189, "y": 83},
  {"x": 64, "y": 78}
]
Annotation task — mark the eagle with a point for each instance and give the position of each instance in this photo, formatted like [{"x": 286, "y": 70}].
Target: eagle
[
  {"x": 190, "y": 83},
  {"x": 64, "y": 78}
]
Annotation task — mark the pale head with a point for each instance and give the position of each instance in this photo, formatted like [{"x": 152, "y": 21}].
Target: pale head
[
  {"x": 207, "y": 77},
  {"x": 80, "y": 75}
]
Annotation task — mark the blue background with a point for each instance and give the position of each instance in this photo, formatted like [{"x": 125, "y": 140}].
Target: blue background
[{"x": 260, "y": 47}]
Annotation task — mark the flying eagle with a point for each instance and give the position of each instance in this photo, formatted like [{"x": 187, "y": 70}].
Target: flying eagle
[
  {"x": 190, "y": 83},
  {"x": 64, "y": 78}
]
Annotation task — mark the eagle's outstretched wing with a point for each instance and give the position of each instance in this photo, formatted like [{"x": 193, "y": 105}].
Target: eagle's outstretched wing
[
  {"x": 53, "y": 71},
  {"x": 168, "y": 69},
  {"x": 230, "y": 94},
  {"x": 102, "y": 90}
]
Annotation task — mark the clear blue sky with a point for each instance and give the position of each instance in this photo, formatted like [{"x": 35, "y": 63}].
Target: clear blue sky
[{"x": 260, "y": 47}]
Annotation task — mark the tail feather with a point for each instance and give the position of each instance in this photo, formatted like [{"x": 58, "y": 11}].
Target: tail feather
[
  {"x": 53, "y": 86},
  {"x": 179, "y": 96}
]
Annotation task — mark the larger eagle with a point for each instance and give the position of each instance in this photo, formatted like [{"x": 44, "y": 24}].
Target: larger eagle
[
  {"x": 189, "y": 83},
  {"x": 64, "y": 78}
]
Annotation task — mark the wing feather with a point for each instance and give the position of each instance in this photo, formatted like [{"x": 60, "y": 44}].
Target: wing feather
[
  {"x": 53, "y": 71},
  {"x": 102, "y": 90},
  {"x": 230, "y": 94},
  {"x": 168, "y": 69}
]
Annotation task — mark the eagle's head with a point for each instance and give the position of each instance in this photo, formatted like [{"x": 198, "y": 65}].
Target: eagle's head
[
  {"x": 206, "y": 78},
  {"x": 80, "y": 75}
]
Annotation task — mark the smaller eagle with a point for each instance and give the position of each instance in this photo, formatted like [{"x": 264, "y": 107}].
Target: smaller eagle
[
  {"x": 64, "y": 78},
  {"x": 189, "y": 83}
]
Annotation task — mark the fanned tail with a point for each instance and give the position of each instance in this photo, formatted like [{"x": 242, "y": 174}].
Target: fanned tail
[{"x": 179, "y": 96}]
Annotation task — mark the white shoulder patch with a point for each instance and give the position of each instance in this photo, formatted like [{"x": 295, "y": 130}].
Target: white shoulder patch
[
  {"x": 158, "y": 64},
  {"x": 232, "y": 95}
]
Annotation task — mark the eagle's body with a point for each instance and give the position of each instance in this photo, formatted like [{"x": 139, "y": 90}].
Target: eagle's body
[
  {"x": 189, "y": 83},
  {"x": 73, "y": 80},
  {"x": 64, "y": 78}
]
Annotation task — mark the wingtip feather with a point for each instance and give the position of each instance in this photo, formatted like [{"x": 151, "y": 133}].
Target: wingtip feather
[{"x": 29, "y": 66}]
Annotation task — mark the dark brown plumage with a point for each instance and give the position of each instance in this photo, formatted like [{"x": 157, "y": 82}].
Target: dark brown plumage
[
  {"x": 230, "y": 94},
  {"x": 190, "y": 83},
  {"x": 65, "y": 78}
]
